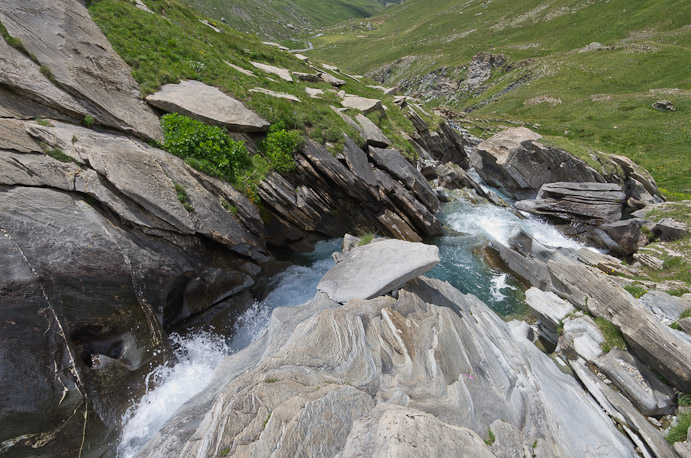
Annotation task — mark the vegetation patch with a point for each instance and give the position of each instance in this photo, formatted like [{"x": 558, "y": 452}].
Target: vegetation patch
[
  {"x": 206, "y": 148},
  {"x": 279, "y": 147},
  {"x": 365, "y": 239},
  {"x": 636, "y": 290},
  {"x": 490, "y": 438},
  {"x": 612, "y": 335},
  {"x": 678, "y": 432},
  {"x": 183, "y": 198}
]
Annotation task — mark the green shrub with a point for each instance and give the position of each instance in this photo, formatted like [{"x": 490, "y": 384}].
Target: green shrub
[
  {"x": 206, "y": 148},
  {"x": 678, "y": 433},
  {"x": 88, "y": 120},
  {"x": 491, "y": 438},
  {"x": 280, "y": 146},
  {"x": 684, "y": 400}
]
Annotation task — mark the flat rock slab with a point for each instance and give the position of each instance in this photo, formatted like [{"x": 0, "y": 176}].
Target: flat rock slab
[
  {"x": 208, "y": 104},
  {"x": 278, "y": 95},
  {"x": 278, "y": 71},
  {"x": 601, "y": 201},
  {"x": 332, "y": 80},
  {"x": 241, "y": 70},
  {"x": 372, "y": 133},
  {"x": 377, "y": 268},
  {"x": 362, "y": 103},
  {"x": 314, "y": 92}
]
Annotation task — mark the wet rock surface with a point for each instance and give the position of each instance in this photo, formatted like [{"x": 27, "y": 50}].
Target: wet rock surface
[{"x": 389, "y": 363}]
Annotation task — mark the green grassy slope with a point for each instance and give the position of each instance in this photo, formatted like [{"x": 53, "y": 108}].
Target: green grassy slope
[
  {"x": 172, "y": 46},
  {"x": 604, "y": 97},
  {"x": 270, "y": 18}
]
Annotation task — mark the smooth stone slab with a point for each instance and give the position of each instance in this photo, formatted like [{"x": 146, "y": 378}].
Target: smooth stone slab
[
  {"x": 278, "y": 71},
  {"x": 278, "y": 95},
  {"x": 208, "y": 104},
  {"x": 361, "y": 103},
  {"x": 377, "y": 268}
]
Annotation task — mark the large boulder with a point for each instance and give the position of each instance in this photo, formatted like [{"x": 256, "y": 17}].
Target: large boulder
[
  {"x": 377, "y": 268},
  {"x": 362, "y": 104},
  {"x": 373, "y": 134},
  {"x": 569, "y": 201},
  {"x": 622, "y": 237},
  {"x": 82, "y": 63},
  {"x": 515, "y": 161},
  {"x": 208, "y": 104},
  {"x": 434, "y": 364}
]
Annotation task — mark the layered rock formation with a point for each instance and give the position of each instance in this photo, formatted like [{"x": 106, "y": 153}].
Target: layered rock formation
[{"x": 428, "y": 371}]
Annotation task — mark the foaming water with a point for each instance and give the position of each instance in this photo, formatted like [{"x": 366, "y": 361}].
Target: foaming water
[
  {"x": 197, "y": 357},
  {"x": 473, "y": 226},
  {"x": 199, "y": 354}
]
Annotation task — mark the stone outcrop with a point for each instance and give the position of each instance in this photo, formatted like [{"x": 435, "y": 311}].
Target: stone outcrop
[
  {"x": 373, "y": 134},
  {"x": 324, "y": 197},
  {"x": 377, "y": 269},
  {"x": 516, "y": 162},
  {"x": 622, "y": 237},
  {"x": 481, "y": 66},
  {"x": 208, "y": 104},
  {"x": 91, "y": 77},
  {"x": 660, "y": 347},
  {"x": 278, "y": 71},
  {"x": 106, "y": 261},
  {"x": 445, "y": 145},
  {"x": 362, "y": 104},
  {"x": 568, "y": 201},
  {"x": 435, "y": 364}
]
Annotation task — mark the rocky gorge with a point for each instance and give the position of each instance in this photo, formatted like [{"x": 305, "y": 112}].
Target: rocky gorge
[{"x": 111, "y": 244}]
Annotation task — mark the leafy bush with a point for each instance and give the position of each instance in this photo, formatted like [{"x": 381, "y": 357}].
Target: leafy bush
[
  {"x": 88, "y": 121},
  {"x": 280, "y": 146},
  {"x": 206, "y": 148}
]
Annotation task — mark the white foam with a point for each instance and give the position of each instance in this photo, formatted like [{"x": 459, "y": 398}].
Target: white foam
[
  {"x": 197, "y": 357},
  {"x": 499, "y": 283}
]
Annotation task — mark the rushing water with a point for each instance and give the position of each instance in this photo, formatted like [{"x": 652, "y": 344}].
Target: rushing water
[
  {"x": 472, "y": 226},
  {"x": 198, "y": 355}
]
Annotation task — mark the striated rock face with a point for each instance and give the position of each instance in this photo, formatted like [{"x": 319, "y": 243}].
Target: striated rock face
[
  {"x": 100, "y": 260},
  {"x": 63, "y": 38},
  {"x": 434, "y": 365},
  {"x": 325, "y": 197},
  {"x": 568, "y": 201},
  {"x": 660, "y": 347},
  {"x": 207, "y": 104}
]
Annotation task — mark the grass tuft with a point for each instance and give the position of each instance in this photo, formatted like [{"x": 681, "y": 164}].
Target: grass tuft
[{"x": 612, "y": 335}]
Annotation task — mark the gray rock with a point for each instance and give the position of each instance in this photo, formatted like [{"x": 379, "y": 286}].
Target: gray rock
[
  {"x": 622, "y": 237},
  {"x": 314, "y": 93},
  {"x": 481, "y": 66},
  {"x": 29, "y": 84},
  {"x": 429, "y": 366},
  {"x": 664, "y": 307},
  {"x": 516, "y": 161},
  {"x": 664, "y": 105},
  {"x": 278, "y": 71},
  {"x": 452, "y": 176},
  {"x": 661, "y": 347},
  {"x": 392, "y": 161},
  {"x": 242, "y": 70},
  {"x": 645, "y": 435},
  {"x": 551, "y": 310},
  {"x": 208, "y": 104},
  {"x": 639, "y": 384},
  {"x": 582, "y": 337},
  {"x": 357, "y": 162},
  {"x": 669, "y": 230},
  {"x": 594, "y": 202},
  {"x": 278, "y": 95},
  {"x": 362, "y": 104},
  {"x": 649, "y": 260},
  {"x": 309, "y": 77},
  {"x": 372, "y": 133},
  {"x": 82, "y": 62},
  {"x": 392, "y": 430},
  {"x": 377, "y": 268},
  {"x": 330, "y": 79},
  {"x": 685, "y": 324}
]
